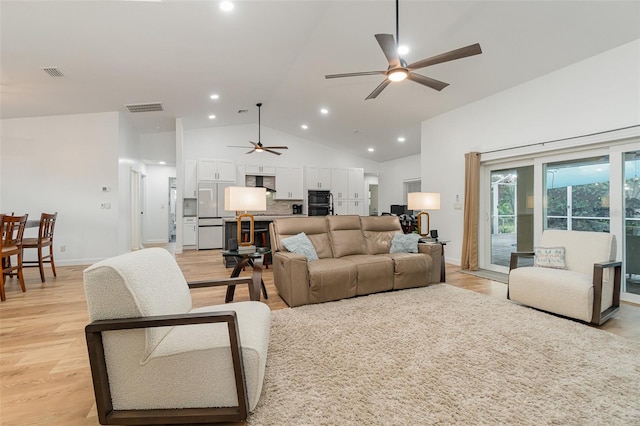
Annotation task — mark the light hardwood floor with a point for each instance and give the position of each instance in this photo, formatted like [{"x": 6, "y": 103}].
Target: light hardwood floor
[{"x": 44, "y": 369}]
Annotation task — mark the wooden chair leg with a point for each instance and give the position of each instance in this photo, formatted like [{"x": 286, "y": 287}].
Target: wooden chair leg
[
  {"x": 20, "y": 276},
  {"x": 53, "y": 265},
  {"x": 41, "y": 265},
  {"x": 3, "y": 296}
]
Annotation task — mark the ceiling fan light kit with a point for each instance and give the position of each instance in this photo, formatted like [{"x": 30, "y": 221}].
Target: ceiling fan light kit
[
  {"x": 257, "y": 146},
  {"x": 398, "y": 69}
]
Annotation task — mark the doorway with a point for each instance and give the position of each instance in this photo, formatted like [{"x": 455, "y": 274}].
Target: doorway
[{"x": 172, "y": 210}]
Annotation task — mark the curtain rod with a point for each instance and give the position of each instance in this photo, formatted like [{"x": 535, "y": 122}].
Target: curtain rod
[{"x": 559, "y": 140}]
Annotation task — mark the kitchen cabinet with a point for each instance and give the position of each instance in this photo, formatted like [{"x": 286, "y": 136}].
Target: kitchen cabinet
[
  {"x": 190, "y": 179},
  {"x": 355, "y": 183},
  {"x": 217, "y": 170},
  {"x": 339, "y": 183},
  {"x": 256, "y": 170},
  {"x": 318, "y": 178},
  {"x": 289, "y": 183},
  {"x": 347, "y": 187},
  {"x": 189, "y": 231}
]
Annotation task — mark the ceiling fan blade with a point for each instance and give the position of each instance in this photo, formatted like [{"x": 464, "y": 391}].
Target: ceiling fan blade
[
  {"x": 236, "y": 146},
  {"x": 272, "y": 152},
  {"x": 389, "y": 48},
  {"x": 249, "y": 152},
  {"x": 276, "y": 147},
  {"x": 427, "y": 81},
  {"x": 255, "y": 145},
  {"x": 354, "y": 74},
  {"x": 378, "y": 89},
  {"x": 463, "y": 52}
]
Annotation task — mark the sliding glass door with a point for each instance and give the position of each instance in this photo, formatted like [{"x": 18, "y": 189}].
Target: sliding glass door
[
  {"x": 511, "y": 217},
  {"x": 632, "y": 222}
]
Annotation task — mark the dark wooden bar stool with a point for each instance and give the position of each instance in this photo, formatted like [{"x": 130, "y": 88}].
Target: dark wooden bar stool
[{"x": 259, "y": 234}]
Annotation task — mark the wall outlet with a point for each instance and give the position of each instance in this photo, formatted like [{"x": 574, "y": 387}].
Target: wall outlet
[
  {"x": 63, "y": 248},
  {"x": 457, "y": 206},
  {"x": 106, "y": 206}
]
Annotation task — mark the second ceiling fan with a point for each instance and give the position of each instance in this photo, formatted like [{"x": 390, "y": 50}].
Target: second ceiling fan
[
  {"x": 398, "y": 69},
  {"x": 257, "y": 146}
]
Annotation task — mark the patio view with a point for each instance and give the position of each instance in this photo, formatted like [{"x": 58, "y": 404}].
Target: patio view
[{"x": 576, "y": 197}]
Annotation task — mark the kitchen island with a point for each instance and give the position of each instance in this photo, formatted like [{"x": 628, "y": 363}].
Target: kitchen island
[{"x": 260, "y": 222}]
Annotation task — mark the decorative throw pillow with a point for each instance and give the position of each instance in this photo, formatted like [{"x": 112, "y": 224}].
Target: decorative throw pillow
[
  {"x": 549, "y": 257},
  {"x": 300, "y": 244},
  {"x": 404, "y": 243}
]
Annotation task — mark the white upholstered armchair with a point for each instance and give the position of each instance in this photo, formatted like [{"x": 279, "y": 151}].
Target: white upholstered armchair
[
  {"x": 156, "y": 360},
  {"x": 581, "y": 279}
]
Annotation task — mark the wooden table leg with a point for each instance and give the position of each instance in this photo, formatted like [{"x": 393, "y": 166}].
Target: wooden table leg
[
  {"x": 258, "y": 283},
  {"x": 241, "y": 262}
]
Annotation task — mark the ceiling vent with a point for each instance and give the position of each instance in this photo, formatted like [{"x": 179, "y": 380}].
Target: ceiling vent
[
  {"x": 53, "y": 71},
  {"x": 151, "y": 107}
]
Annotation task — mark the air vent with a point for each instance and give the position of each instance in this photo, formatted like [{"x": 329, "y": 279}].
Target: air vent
[
  {"x": 152, "y": 107},
  {"x": 53, "y": 71}
]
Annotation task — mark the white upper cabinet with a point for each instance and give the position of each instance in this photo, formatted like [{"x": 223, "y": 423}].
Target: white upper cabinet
[
  {"x": 190, "y": 179},
  {"x": 256, "y": 170},
  {"x": 318, "y": 178},
  {"x": 289, "y": 183},
  {"x": 217, "y": 170}
]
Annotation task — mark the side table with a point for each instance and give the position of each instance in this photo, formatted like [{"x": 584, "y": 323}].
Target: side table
[{"x": 253, "y": 259}]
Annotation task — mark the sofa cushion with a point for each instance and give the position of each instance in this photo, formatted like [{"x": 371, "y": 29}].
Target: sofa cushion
[
  {"x": 331, "y": 279},
  {"x": 378, "y": 232},
  {"x": 315, "y": 228},
  {"x": 345, "y": 235},
  {"x": 300, "y": 244},
  {"x": 375, "y": 272},
  {"x": 582, "y": 249},
  {"x": 135, "y": 281},
  {"x": 410, "y": 269},
  {"x": 405, "y": 243},
  {"x": 562, "y": 292}
]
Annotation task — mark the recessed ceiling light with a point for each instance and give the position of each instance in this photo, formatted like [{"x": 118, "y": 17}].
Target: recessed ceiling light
[
  {"x": 162, "y": 163},
  {"x": 215, "y": 96},
  {"x": 324, "y": 111},
  {"x": 226, "y": 6},
  {"x": 304, "y": 126},
  {"x": 211, "y": 117},
  {"x": 403, "y": 50},
  {"x": 371, "y": 150},
  {"x": 401, "y": 139}
]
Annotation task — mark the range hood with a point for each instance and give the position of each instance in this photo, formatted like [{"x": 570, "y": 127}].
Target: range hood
[{"x": 260, "y": 184}]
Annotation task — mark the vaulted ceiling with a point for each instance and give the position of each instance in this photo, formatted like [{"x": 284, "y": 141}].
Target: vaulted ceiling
[{"x": 178, "y": 53}]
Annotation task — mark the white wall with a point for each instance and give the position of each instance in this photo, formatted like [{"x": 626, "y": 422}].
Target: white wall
[
  {"x": 128, "y": 160},
  {"x": 598, "y": 94},
  {"x": 213, "y": 143},
  {"x": 156, "y": 220},
  {"x": 156, "y": 147},
  {"x": 391, "y": 180},
  {"x": 60, "y": 164}
]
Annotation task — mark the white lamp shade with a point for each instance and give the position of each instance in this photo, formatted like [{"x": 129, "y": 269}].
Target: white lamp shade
[
  {"x": 245, "y": 198},
  {"x": 423, "y": 201}
]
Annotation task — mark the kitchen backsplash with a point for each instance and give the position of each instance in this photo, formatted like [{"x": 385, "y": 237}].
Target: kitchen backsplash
[{"x": 274, "y": 207}]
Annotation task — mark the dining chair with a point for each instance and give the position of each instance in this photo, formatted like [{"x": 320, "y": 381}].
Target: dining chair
[
  {"x": 44, "y": 239},
  {"x": 12, "y": 231}
]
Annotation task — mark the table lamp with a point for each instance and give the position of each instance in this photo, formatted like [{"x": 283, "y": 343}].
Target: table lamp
[
  {"x": 423, "y": 201},
  {"x": 245, "y": 198}
]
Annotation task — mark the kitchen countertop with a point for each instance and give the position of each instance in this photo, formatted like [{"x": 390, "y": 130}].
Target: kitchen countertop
[{"x": 265, "y": 218}]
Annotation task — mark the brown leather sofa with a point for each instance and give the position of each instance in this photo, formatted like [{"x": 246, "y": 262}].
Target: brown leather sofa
[{"x": 354, "y": 259}]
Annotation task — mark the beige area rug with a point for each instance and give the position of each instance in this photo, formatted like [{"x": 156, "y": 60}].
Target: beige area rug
[{"x": 441, "y": 355}]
